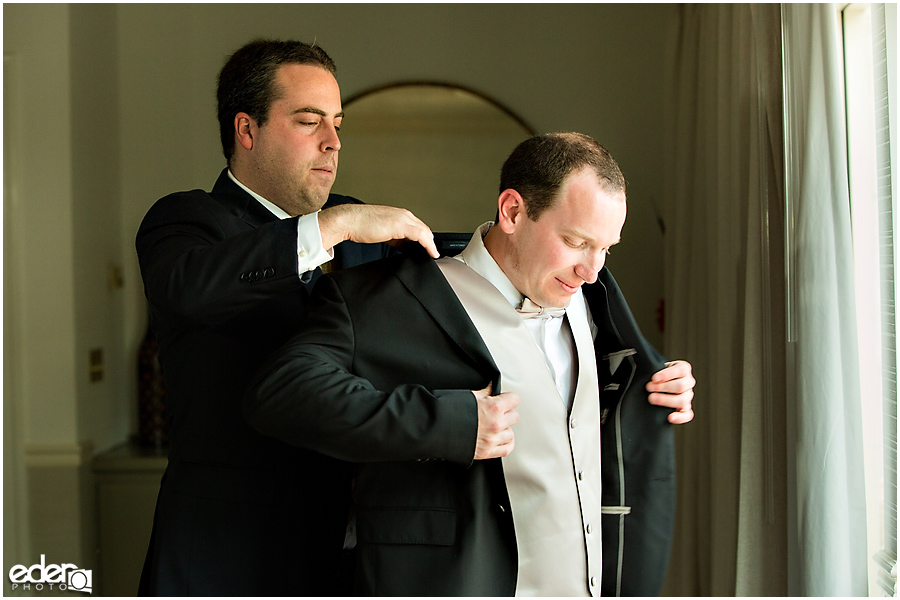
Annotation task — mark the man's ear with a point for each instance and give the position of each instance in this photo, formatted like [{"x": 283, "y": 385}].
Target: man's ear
[
  {"x": 244, "y": 129},
  {"x": 510, "y": 210}
]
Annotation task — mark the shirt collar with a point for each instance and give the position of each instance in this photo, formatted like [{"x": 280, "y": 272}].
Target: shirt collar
[
  {"x": 480, "y": 260},
  {"x": 272, "y": 208}
]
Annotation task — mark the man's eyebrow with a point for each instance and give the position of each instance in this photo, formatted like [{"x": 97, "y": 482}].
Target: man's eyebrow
[
  {"x": 316, "y": 111},
  {"x": 579, "y": 234},
  {"x": 615, "y": 242},
  {"x": 583, "y": 235}
]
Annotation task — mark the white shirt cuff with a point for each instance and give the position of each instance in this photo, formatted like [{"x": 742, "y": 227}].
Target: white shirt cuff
[{"x": 310, "y": 253}]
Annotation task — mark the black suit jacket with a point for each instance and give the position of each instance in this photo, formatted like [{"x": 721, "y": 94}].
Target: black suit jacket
[
  {"x": 238, "y": 513},
  {"x": 381, "y": 375}
]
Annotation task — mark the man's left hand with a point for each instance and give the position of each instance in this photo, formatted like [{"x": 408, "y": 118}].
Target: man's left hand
[{"x": 673, "y": 387}]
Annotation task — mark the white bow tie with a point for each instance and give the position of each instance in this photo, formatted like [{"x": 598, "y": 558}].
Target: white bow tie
[{"x": 530, "y": 310}]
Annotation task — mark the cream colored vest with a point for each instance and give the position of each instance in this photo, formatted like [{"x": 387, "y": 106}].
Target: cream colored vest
[{"x": 553, "y": 474}]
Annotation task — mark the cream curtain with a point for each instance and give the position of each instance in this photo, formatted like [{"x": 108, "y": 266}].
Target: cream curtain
[
  {"x": 827, "y": 491},
  {"x": 767, "y": 494}
]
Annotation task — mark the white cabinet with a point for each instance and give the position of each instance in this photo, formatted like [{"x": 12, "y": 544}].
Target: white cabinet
[{"x": 127, "y": 480}]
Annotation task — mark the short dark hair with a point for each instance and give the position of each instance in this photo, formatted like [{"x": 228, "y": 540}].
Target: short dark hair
[
  {"x": 538, "y": 167},
  {"x": 247, "y": 81}
]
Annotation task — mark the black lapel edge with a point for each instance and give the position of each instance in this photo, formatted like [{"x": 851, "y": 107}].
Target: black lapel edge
[
  {"x": 425, "y": 281},
  {"x": 239, "y": 202}
]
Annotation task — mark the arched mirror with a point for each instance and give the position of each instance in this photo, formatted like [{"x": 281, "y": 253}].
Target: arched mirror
[{"x": 435, "y": 149}]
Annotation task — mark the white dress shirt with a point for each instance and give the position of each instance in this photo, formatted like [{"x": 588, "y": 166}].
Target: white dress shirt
[
  {"x": 310, "y": 252},
  {"x": 553, "y": 336}
]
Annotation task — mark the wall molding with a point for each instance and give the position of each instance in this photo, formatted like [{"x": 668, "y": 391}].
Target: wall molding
[
  {"x": 59, "y": 455},
  {"x": 60, "y": 503}
]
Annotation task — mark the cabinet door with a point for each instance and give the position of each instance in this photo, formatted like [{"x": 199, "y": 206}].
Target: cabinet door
[{"x": 125, "y": 505}]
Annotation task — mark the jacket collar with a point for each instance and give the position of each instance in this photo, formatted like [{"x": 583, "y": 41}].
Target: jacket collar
[{"x": 240, "y": 203}]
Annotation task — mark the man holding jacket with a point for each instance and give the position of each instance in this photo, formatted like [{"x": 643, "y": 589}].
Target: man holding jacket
[{"x": 473, "y": 391}]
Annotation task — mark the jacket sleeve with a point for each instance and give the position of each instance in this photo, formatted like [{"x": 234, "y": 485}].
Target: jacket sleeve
[
  {"x": 197, "y": 272},
  {"x": 307, "y": 395}
]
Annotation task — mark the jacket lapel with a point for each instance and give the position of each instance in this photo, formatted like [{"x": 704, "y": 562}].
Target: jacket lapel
[
  {"x": 424, "y": 280},
  {"x": 239, "y": 202}
]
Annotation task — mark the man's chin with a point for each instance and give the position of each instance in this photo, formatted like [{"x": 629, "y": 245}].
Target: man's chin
[
  {"x": 322, "y": 195},
  {"x": 313, "y": 200},
  {"x": 554, "y": 302}
]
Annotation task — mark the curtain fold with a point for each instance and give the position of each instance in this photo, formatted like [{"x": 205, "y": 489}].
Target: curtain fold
[
  {"x": 724, "y": 256},
  {"x": 827, "y": 493},
  {"x": 769, "y": 475}
]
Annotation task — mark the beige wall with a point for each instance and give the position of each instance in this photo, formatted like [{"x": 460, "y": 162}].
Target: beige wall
[
  {"x": 108, "y": 107},
  {"x": 599, "y": 69},
  {"x": 96, "y": 222},
  {"x": 44, "y": 401}
]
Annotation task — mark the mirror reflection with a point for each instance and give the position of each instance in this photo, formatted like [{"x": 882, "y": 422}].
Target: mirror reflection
[{"x": 432, "y": 148}]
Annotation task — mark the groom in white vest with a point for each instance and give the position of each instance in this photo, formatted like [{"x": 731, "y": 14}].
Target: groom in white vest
[{"x": 472, "y": 392}]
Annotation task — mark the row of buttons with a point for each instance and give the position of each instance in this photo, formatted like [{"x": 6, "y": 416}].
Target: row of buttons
[
  {"x": 257, "y": 275},
  {"x": 588, "y": 529},
  {"x": 573, "y": 424}
]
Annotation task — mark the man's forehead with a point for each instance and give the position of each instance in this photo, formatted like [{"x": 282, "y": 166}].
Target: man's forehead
[
  {"x": 299, "y": 79},
  {"x": 589, "y": 214},
  {"x": 293, "y": 69}
]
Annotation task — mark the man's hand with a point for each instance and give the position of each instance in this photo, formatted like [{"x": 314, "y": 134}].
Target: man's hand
[
  {"x": 674, "y": 387},
  {"x": 496, "y": 416},
  {"x": 371, "y": 223}
]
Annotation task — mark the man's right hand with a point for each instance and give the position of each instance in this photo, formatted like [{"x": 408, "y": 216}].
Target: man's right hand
[
  {"x": 371, "y": 223},
  {"x": 496, "y": 416}
]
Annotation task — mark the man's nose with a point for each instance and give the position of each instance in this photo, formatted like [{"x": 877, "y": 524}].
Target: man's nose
[
  {"x": 591, "y": 266},
  {"x": 331, "y": 142},
  {"x": 587, "y": 274}
]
